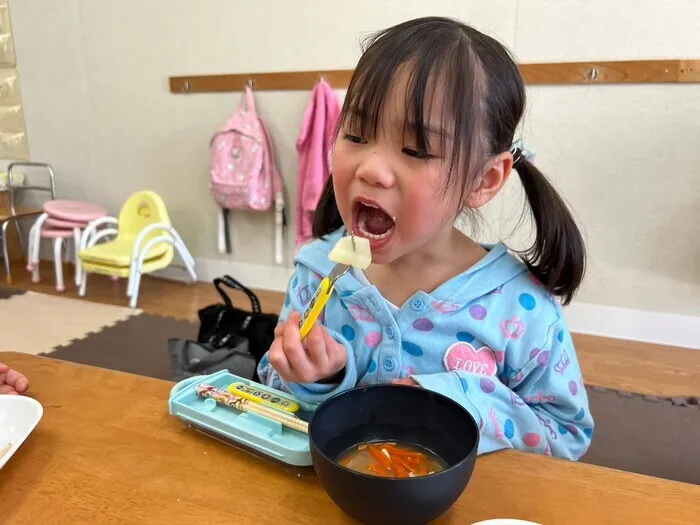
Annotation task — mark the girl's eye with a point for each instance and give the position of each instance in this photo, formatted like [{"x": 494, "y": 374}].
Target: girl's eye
[
  {"x": 417, "y": 154},
  {"x": 354, "y": 139}
]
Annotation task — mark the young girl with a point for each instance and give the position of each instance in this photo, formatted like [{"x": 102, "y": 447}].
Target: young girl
[{"x": 426, "y": 133}]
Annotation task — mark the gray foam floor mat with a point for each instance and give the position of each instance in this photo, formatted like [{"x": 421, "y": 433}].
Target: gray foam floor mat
[
  {"x": 649, "y": 435},
  {"x": 138, "y": 345},
  {"x": 7, "y": 292}
]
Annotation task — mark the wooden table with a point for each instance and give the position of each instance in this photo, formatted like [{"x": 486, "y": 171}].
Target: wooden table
[{"x": 107, "y": 451}]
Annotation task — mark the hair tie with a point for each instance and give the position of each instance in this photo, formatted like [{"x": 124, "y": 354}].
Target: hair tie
[{"x": 519, "y": 153}]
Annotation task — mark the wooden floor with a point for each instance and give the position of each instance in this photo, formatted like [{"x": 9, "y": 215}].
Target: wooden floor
[{"x": 640, "y": 367}]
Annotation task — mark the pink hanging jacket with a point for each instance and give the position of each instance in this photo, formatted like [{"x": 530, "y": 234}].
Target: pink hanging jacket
[{"x": 314, "y": 147}]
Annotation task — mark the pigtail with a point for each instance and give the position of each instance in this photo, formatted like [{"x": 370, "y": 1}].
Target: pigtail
[
  {"x": 558, "y": 256},
  {"x": 327, "y": 218}
]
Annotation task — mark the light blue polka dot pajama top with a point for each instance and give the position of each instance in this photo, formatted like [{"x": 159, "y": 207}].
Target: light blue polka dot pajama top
[{"x": 492, "y": 338}]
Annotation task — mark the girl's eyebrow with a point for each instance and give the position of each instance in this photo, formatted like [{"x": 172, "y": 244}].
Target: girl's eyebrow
[
  {"x": 358, "y": 113},
  {"x": 430, "y": 129},
  {"x": 411, "y": 126}
]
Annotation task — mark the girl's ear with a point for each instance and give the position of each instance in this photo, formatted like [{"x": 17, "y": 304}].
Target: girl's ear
[{"x": 491, "y": 180}]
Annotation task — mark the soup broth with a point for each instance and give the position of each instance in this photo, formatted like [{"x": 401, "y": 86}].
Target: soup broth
[{"x": 390, "y": 459}]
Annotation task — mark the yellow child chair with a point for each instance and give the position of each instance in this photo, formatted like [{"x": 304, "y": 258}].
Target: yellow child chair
[{"x": 145, "y": 242}]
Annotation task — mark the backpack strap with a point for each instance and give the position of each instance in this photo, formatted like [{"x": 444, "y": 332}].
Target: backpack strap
[
  {"x": 249, "y": 100},
  {"x": 278, "y": 189}
]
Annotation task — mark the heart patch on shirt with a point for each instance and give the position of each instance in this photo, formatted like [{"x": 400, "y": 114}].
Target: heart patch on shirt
[{"x": 465, "y": 358}]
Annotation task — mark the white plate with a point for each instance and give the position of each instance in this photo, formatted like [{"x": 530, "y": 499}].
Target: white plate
[
  {"x": 18, "y": 417},
  {"x": 506, "y": 522}
]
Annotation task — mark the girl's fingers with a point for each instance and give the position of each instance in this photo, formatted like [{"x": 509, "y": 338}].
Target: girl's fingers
[
  {"x": 21, "y": 385},
  {"x": 7, "y": 390},
  {"x": 295, "y": 352},
  {"x": 15, "y": 379},
  {"x": 336, "y": 353},
  {"x": 316, "y": 347},
  {"x": 278, "y": 360},
  {"x": 319, "y": 355},
  {"x": 11, "y": 381},
  {"x": 293, "y": 322}
]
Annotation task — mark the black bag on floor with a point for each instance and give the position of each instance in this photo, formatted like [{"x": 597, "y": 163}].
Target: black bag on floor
[
  {"x": 189, "y": 358},
  {"x": 222, "y": 325}
]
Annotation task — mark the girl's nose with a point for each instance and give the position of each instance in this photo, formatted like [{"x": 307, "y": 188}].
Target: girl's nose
[{"x": 375, "y": 171}]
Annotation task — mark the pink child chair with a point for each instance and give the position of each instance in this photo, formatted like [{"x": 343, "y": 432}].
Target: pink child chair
[{"x": 61, "y": 220}]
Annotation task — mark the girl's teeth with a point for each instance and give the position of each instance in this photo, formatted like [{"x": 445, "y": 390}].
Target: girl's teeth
[{"x": 365, "y": 233}]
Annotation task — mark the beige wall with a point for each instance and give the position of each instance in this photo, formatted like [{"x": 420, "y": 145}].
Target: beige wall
[{"x": 94, "y": 85}]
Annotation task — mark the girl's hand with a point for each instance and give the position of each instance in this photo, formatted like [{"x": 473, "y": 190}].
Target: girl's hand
[
  {"x": 405, "y": 381},
  {"x": 318, "y": 357},
  {"x": 11, "y": 381}
]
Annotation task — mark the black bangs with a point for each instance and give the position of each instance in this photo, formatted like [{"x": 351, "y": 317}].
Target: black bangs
[{"x": 436, "y": 57}]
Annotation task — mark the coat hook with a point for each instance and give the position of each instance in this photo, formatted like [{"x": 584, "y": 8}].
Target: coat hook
[
  {"x": 186, "y": 85},
  {"x": 251, "y": 83},
  {"x": 592, "y": 73}
]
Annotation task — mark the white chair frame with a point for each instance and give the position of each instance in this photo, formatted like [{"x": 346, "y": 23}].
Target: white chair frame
[
  {"x": 91, "y": 237},
  {"x": 33, "y": 253}
]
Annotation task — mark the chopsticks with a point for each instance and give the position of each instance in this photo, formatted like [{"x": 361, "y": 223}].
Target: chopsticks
[{"x": 245, "y": 405}]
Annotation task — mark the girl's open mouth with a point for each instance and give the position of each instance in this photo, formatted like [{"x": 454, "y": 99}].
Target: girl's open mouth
[{"x": 373, "y": 222}]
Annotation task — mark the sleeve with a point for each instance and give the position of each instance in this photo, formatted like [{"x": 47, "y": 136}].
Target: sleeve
[
  {"x": 541, "y": 407},
  {"x": 302, "y": 286}
]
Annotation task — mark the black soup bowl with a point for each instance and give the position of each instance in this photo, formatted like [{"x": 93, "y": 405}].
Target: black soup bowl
[{"x": 403, "y": 414}]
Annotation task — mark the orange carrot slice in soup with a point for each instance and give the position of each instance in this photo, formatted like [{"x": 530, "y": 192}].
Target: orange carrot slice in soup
[
  {"x": 380, "y": 456},
  {"x": 378, "y": 469},
  {"x": 406, "y": 465},
  {"x": 401, "y": 471},
  {"x": 394, "y": 450}
]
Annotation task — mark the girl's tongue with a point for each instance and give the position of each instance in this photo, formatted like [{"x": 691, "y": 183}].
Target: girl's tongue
[{"x": 374, "y": 222}]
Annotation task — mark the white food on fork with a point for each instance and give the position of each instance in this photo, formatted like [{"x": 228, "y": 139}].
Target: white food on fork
[{"x": 352, "y": 251}]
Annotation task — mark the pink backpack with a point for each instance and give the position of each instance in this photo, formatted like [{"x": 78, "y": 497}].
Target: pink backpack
[{"x": 243, "y": 171}]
